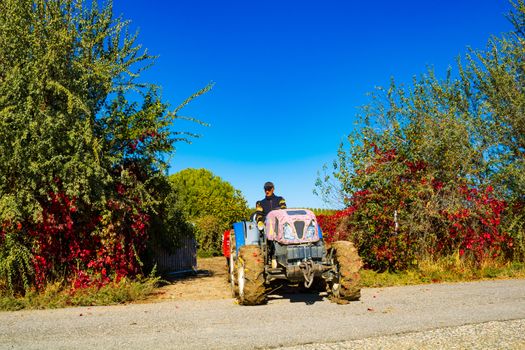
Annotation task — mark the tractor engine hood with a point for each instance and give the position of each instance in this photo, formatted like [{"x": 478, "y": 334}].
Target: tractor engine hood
[{"x": 289, "y": 226}]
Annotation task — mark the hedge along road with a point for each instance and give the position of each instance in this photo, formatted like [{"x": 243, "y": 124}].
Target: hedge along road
[{"x": 286, "y": 320}]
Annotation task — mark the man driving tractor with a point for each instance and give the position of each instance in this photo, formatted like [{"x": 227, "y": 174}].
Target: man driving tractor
[
  {"x": 269, "y": 203},
  {"x": 262, "y": 208}
]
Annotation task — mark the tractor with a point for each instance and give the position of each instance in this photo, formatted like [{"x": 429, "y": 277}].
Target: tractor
[{"x": 288, "y": 249}]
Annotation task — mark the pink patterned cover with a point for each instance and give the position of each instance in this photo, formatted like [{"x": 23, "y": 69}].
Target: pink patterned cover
[{"x": 289, "y": 216}]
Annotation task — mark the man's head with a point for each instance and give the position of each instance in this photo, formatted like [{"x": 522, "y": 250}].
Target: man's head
[{"x": 268, "y": 189}]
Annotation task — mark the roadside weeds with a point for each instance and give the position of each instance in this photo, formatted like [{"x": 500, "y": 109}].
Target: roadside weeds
[{"x": 214, "y": 285}]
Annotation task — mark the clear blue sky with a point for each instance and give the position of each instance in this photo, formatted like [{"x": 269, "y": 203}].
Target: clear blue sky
[{"x": 290, "y": 75}]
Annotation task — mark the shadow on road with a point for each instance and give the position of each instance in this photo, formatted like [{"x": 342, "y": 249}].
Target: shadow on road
[
  {"x": 210, "y": 282},
  {"x": 296, "y": 294}
]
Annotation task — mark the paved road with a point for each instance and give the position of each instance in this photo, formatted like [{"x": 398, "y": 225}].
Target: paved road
[
  {"x": 489, "y": 335},
  {"x": 439, "y": 312}
]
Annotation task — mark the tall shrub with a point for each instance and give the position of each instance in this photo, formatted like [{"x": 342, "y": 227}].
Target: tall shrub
[
  {"x": 78, "y": 156},
  {"x": 496, "y": 75},
  {"x": 418, "y": 176}
]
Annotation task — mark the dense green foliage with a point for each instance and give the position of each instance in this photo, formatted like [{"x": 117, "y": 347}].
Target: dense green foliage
[
  {"x": 496, "y": 76},
  {"x": 210, "y": 203},
  {"x": 81, "y": 145},
  {"x": 437, "y": 168}
]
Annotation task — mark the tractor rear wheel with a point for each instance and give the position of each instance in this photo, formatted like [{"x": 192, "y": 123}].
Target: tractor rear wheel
[
  {"x": 250, "y": 276},
  {"x": 232, "y": 273},
  {"x": 347, "y": 263}
]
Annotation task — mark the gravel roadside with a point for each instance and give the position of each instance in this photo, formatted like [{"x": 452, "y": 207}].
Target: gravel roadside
[
  {"x": 287, "y": 320},
  {"x": 488, "y": 335}
]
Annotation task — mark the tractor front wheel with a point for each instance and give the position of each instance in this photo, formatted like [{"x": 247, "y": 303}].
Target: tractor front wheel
[
  {"x": 250, "y": 276},
  {"x": 346, "y": 264}
]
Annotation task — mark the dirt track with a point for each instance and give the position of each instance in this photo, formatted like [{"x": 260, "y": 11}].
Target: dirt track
[{"x": 210, "y": 283}]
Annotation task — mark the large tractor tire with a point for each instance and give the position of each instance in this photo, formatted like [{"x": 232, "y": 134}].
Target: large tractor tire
[
  {"x": 347, "y": 263},
  {"x": 232, "y": 271},
  {"x": 250, "y": 276}
]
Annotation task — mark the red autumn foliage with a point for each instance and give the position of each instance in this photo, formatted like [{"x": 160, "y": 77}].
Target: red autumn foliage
[
  {"x": 374, "y": 219},
  {"x": 88, "y": 250},
  {"x": 475, "y": 228}
]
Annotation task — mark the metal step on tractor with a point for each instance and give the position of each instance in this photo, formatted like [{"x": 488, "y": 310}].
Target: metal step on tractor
[{"x": 288, "y": 249}]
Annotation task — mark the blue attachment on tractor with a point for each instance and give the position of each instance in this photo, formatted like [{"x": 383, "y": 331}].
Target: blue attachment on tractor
[{"x": 246, "y": 233}]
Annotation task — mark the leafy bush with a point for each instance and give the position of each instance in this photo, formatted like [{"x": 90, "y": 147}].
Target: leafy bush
[
  {"x": 437, "y": 168},
  {"x": 411, "y": 218},
  {"x": 210, "y": 203},
  {"x": 16, "y": 264},
  {"x": 80, "y": 161},
  {"x": 209, "y": 232}
]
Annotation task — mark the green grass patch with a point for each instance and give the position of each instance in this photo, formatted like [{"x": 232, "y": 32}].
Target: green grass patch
[
  {"x": 57, "y": 296},
  {"x": 450, "y": 269}
]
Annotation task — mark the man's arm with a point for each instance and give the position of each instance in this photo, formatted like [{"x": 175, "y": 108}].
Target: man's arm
[
  {"x": 259, "y": 212},
  {"x": 282, "y": 203}
]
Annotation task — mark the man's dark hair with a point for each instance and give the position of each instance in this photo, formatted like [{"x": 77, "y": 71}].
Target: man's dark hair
[{"x": 268, "y": 186}]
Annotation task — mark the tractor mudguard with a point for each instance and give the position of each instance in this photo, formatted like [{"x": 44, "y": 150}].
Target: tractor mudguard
[{"x": 246, "y": 233}]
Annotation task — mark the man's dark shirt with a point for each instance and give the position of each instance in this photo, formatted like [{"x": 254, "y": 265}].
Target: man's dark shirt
[{"x": 263, "y": 207}]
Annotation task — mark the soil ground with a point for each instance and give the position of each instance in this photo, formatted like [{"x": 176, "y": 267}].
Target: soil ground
[{"x": 210, "y": 283}]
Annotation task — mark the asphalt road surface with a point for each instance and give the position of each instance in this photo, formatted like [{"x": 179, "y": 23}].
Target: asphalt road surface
[{"x": 482, "y": 315}]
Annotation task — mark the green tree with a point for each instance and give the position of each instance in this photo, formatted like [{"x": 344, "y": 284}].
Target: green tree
[
  {"x": 401, "y": 169},
  {"x": 430, "y": 122},
  {"x": 81, "y": 141},
  {"x": 211, "y": 203},
  {"x": 497, "y": 77},
  {"x": 425, "y": 159}
]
